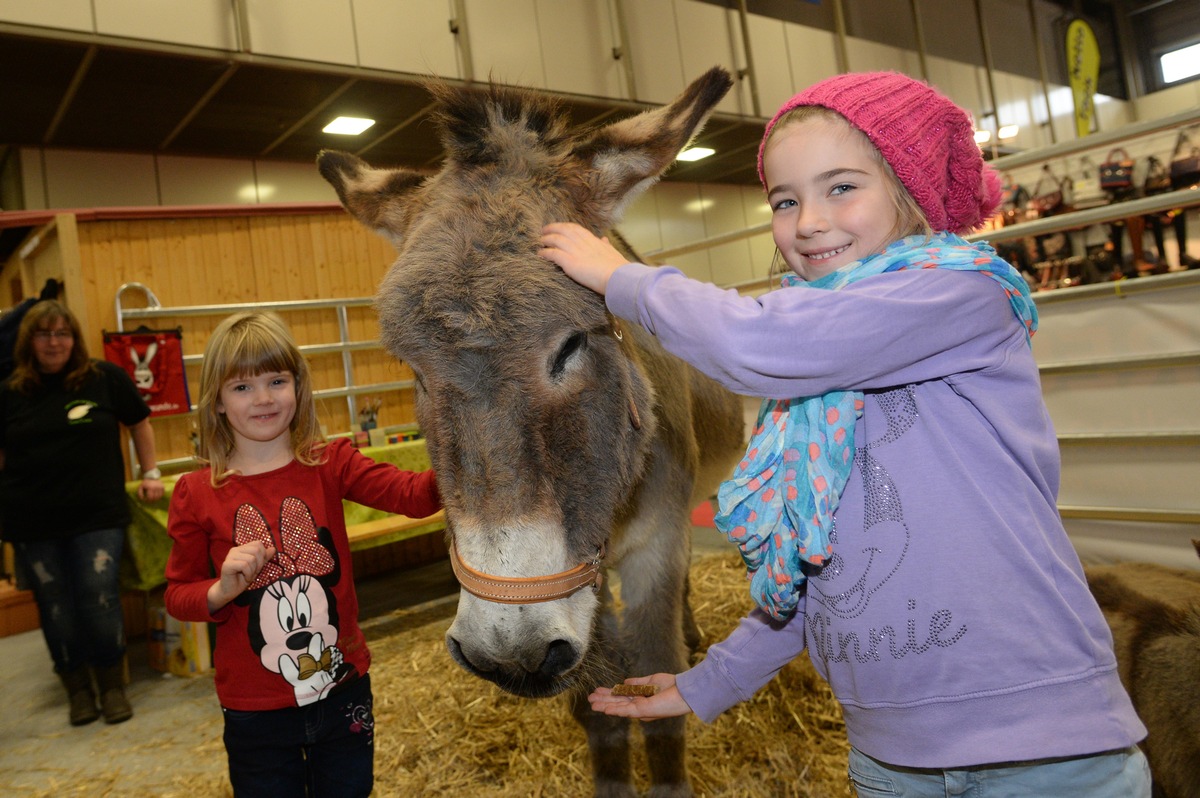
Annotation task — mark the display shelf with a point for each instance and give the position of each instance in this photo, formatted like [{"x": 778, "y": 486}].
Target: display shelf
[
  {"x": 1078, "y": 220},
  {"x": 1099, "y": 140}
]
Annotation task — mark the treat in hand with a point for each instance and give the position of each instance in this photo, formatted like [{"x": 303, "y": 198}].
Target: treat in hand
[{"x": 634, "y": 689}]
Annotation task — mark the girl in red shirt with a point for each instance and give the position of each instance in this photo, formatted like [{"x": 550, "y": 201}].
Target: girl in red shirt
[{"x": 260, "y": 549}]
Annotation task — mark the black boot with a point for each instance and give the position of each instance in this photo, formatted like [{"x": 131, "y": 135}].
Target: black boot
[
  {"x": 83, "y": 699},
  {"x": 113, "y": 703}
]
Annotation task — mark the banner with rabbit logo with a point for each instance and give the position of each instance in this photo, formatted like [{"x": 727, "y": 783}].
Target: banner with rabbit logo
[{"x": 154, "y": 359}]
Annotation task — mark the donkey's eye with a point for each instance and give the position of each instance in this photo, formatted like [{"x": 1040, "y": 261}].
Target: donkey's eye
[{"x": 576, "y": 342}]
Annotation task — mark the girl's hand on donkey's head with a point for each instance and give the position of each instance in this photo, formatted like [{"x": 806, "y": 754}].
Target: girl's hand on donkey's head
[
  {"x": 666, "y": 703},
  {"x": 586, "y": 259}
]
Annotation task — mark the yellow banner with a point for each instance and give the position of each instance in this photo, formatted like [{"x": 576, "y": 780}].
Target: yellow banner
[{"x": 1083, "y": 69}]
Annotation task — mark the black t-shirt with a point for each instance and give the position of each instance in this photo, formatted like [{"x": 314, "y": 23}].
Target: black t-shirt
[{"x": 64, "y": 473}]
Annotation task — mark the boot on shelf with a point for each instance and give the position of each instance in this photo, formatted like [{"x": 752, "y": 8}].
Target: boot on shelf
[
  {"x": 113, "y": 703},
  {"x": 79, "y": 692}
]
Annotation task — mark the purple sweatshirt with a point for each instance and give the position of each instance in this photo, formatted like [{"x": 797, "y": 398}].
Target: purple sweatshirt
[{"x": 953, "y": 621}]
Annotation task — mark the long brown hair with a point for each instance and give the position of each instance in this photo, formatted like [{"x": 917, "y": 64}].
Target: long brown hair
[
  {"x": 42, "y": 315},
  {"x": 245, "y": 345}
]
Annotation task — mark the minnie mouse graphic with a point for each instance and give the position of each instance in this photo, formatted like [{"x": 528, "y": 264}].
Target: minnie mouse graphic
[{"x": 293, "y": 625}]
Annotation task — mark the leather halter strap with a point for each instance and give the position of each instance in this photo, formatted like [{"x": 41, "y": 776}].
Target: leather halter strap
[{"x": 527, "y": 590}]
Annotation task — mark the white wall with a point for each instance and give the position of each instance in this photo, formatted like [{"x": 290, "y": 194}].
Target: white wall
[
  {"x": 563, "y": 45},
  {"x": 578, "y": 37},
  {"x": 566, "y": 46},
  {"x": 1093, "y": 325},
  {"x": 201, "y": 23},
  {"x": 429, "y": 48}
]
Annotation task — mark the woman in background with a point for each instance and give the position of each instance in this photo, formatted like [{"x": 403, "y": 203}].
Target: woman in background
[{"x": 63, "y": 503}]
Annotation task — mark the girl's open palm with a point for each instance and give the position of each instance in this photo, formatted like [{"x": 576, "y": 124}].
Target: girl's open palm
[{"x": 666, "y": 703}]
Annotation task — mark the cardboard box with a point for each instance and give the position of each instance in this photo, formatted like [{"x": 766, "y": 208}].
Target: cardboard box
[{"x": 177, "y": 647}]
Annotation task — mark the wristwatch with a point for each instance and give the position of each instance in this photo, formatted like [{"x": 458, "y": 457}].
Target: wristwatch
[{"x": 153, "y": 473}]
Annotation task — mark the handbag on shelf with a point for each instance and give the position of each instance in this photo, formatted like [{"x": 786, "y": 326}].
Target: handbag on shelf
[
  {"x": 1087, "y": 189},
  {"x": 1116, "y": 173},
  {"x": 1158, "y": 179},
  {"x": 1185, "y": 162},
  {"x": 1047, "y": 196},
  {"x": 1014, "y": 201}
]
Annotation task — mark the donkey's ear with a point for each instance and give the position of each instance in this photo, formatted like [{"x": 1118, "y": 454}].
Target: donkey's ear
[
  {"x": 382, "y": 199},
  {"x": 627, "y": 157}
]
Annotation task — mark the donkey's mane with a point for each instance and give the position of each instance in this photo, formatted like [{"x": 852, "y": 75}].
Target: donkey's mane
[{"x": 479, "y": 125}]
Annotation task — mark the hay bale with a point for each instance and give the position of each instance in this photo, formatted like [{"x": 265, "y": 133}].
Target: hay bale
[{"x": 441, "y": 731}]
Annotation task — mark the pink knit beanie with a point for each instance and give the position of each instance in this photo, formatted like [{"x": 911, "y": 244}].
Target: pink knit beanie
[{"x": 927, "y": 140}]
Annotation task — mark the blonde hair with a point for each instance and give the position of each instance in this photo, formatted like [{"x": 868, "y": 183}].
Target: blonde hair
[
  {"x": 245, "y": 345},
  {"x": 26, "y": 377},
  {"x": 910, "y": 219}
]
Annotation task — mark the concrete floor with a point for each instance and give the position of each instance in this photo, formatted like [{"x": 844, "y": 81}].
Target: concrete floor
[{"x": 172, "y": 746}]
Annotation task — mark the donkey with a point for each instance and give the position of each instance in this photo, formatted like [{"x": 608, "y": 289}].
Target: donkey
[
  {"x": 566, "y": 444},
  {"x": 1154, "y": 614}
]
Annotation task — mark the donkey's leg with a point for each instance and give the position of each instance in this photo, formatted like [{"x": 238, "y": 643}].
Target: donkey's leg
[
  {"x": 608, "y": 743},
  {"x": 652, "y": 590},
  {"x": 608, "y": 736},
  {"x": 691, "y": 630}
]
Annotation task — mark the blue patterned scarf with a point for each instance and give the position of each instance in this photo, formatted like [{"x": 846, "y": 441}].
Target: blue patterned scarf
[{"x": 778, "y": 507}]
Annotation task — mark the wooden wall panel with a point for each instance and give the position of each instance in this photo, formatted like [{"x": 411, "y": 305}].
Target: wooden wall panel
[{"x": 244, "y": 259}]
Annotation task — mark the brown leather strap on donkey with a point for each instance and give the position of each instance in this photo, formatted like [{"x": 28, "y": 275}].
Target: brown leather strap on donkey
[{"x": 527, "y": 590}]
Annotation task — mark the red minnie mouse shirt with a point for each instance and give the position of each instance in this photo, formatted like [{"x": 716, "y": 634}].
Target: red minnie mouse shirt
[{"x": 293, "y": 637}]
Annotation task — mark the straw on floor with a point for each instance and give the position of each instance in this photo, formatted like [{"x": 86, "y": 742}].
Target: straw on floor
[
  {"x": 440, "y": 731},
  {"x": 443, "y": 732}
]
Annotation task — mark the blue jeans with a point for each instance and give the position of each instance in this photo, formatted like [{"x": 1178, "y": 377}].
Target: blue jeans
[
  {"x": 1112, "y": 774},
  {"x": 323, "y": 750},
  {"x": 76, "y": 583}
]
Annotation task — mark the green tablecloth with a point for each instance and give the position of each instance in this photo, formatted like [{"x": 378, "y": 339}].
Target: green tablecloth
[{"x": 147, "y": 543}]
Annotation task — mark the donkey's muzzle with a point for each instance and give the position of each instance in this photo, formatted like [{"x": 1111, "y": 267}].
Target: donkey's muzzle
[{"x": 544, "y": 679}]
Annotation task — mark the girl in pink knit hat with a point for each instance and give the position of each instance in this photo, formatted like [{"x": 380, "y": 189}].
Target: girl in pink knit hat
[{"x": 896, "y": 507}]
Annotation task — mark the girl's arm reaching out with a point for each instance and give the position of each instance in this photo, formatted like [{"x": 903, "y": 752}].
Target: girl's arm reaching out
[{"x": 586, "y": 259}]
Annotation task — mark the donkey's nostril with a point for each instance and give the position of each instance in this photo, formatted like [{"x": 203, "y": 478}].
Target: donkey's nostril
[
  {"x": 459, "y": 655},
  {"x": 560, "y": 658}
]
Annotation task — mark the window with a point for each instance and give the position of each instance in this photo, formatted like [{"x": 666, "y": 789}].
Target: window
[{"x": 1180, "y": 64}]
